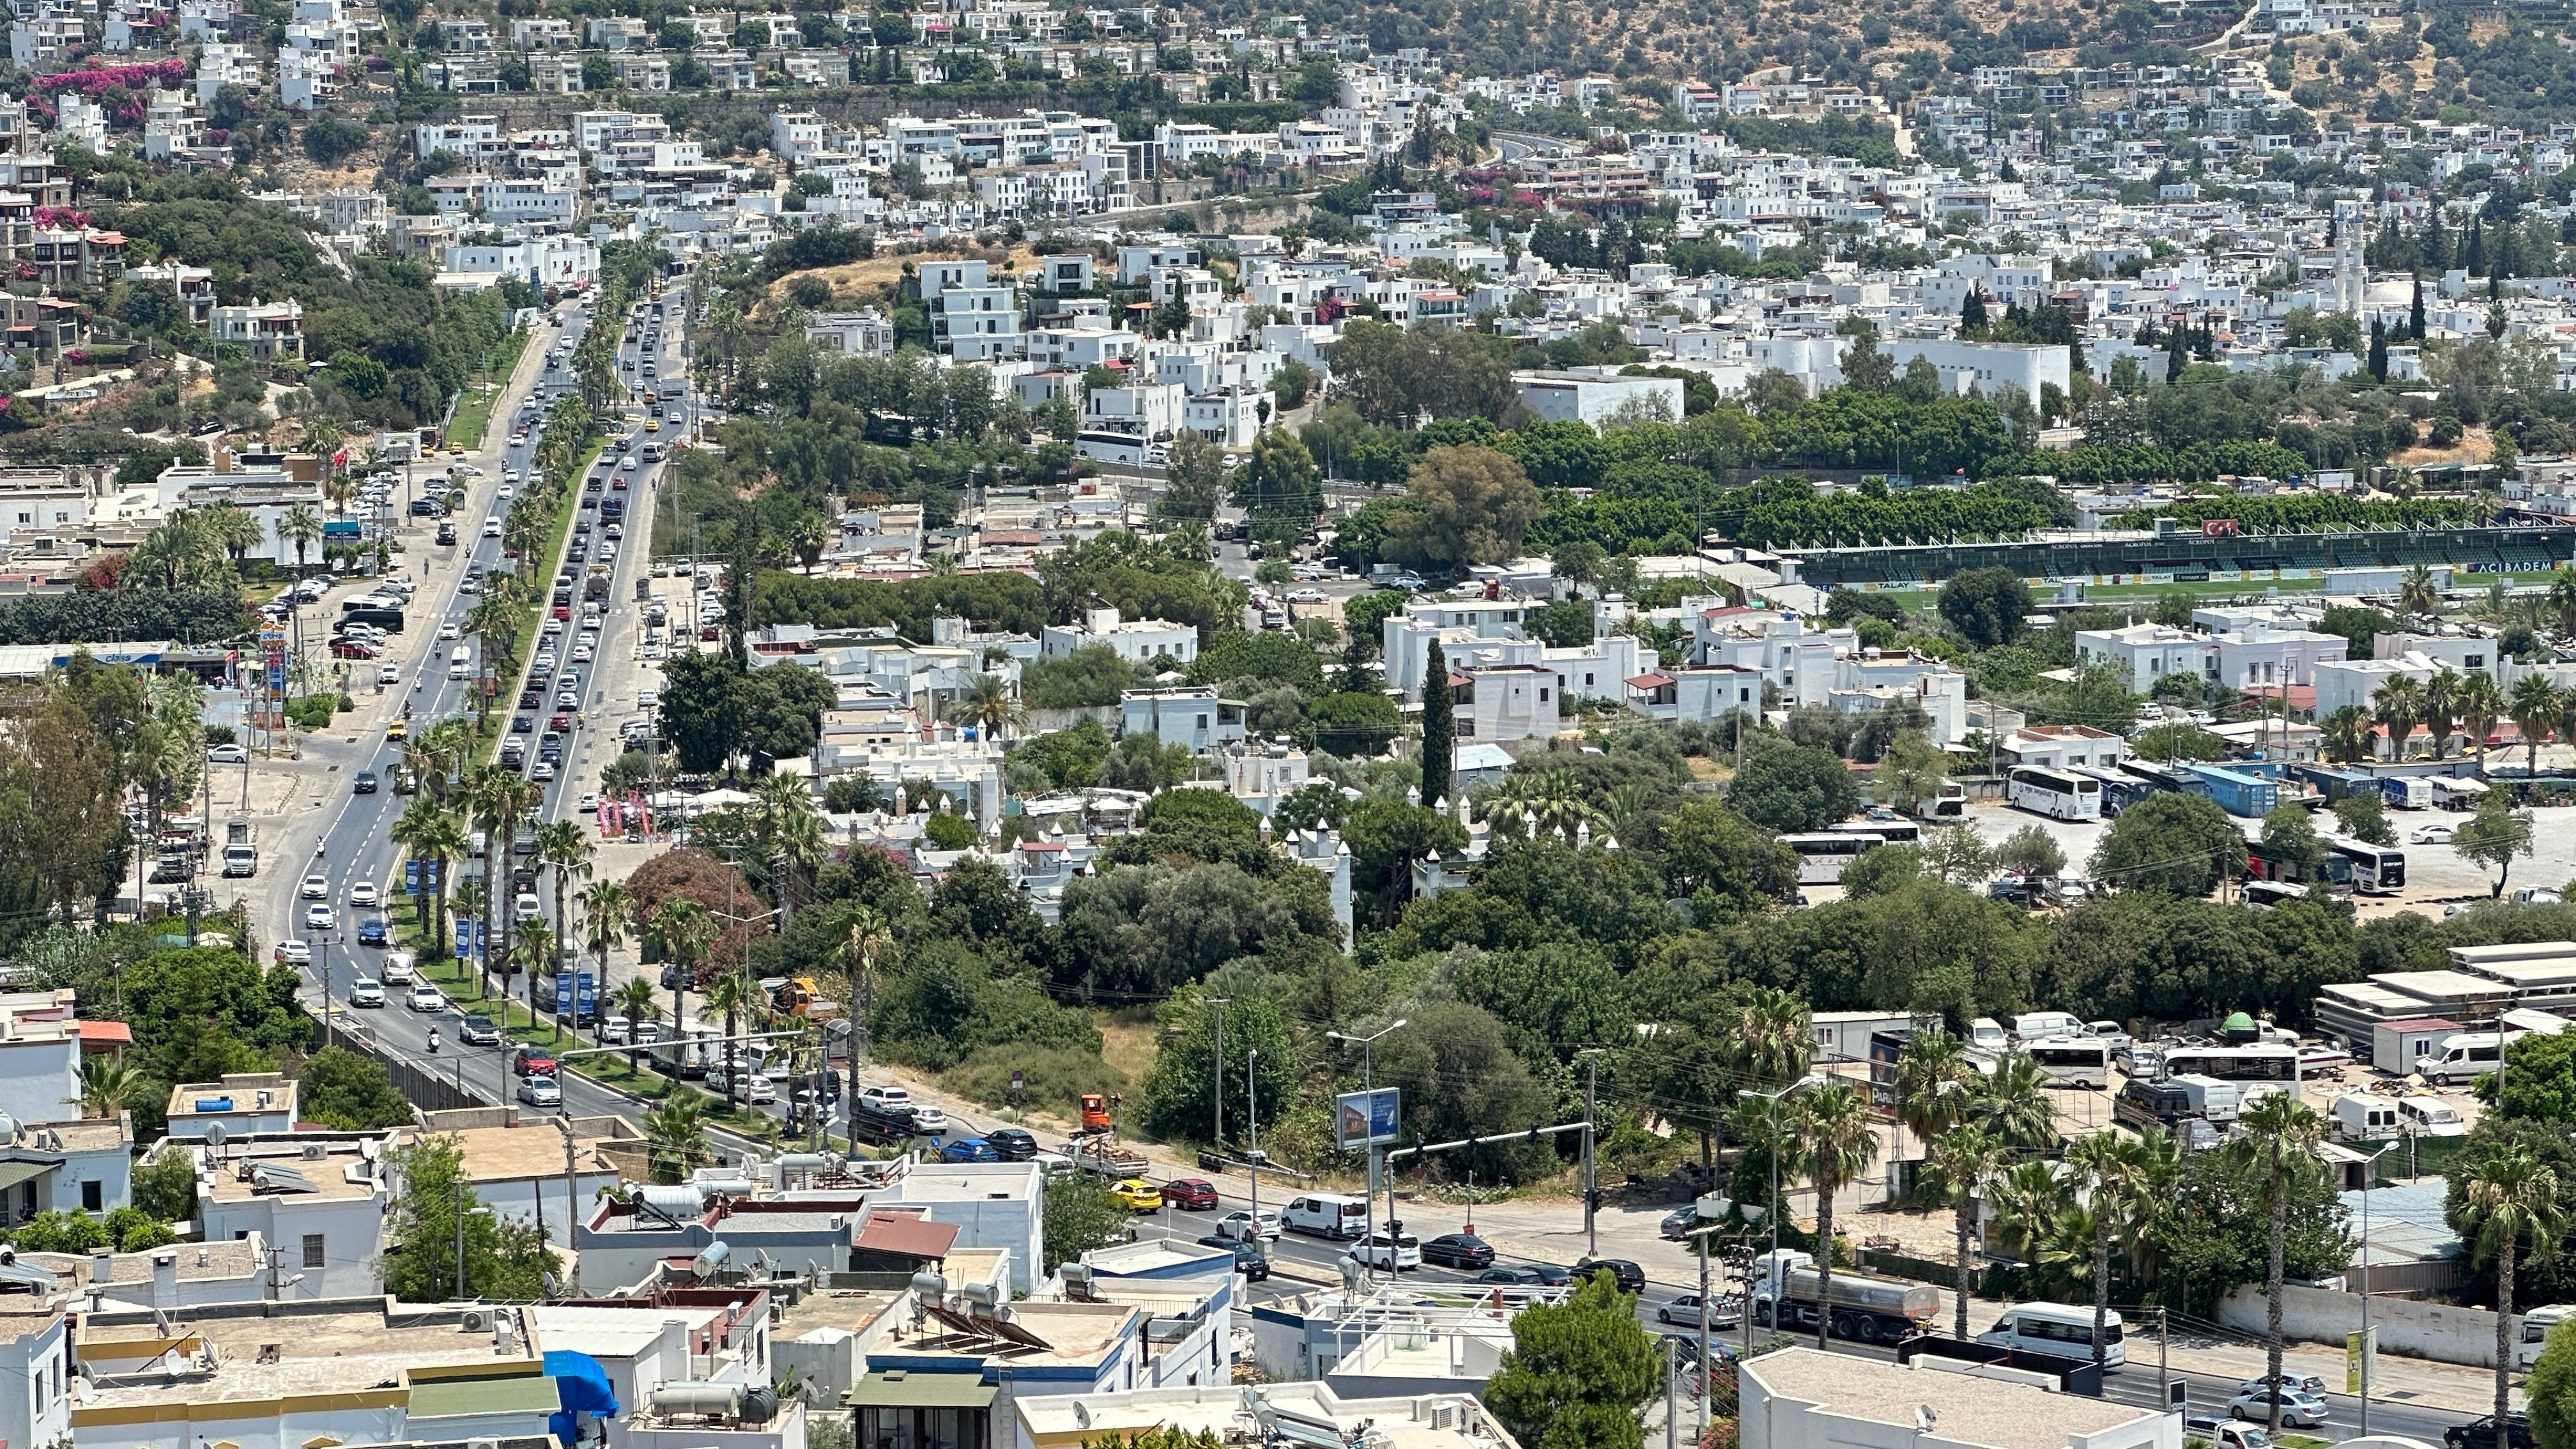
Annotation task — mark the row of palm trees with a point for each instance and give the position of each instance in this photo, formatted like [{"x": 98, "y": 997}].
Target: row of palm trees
[{"x": 2451, "y": 703}]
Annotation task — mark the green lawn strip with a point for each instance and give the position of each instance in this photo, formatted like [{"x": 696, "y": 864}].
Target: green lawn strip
[
  {"x": 2096, "y": 594},
  {"x": 525, "y": 642},
  {"x": 474, "y": 410}
]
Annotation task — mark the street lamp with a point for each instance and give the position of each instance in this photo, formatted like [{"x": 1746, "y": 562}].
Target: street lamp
[
  {"x": 1811, "y": 1079},
  {"x": 1376, "y": 1159}
]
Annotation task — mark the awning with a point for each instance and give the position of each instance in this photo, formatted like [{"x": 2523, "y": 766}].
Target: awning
[
  {"x": 903, "y": 1389},
  {"x": 13, "y": 1173}
]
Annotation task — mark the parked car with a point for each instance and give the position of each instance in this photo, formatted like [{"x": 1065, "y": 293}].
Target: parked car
[
  {"x": 227, "y": 755},
  {"x": 1458, "y": 1250},
  {"x": 1249, "y": 1260},
  {"x": 2430, "y": 835},
  {"x": 1196, "y": 1194},
  {"x": 1632, "y": 1279}
]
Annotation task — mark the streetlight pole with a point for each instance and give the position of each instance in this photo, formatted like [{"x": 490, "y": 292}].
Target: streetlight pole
[
  {"x": 1376, "y": 1155},
  {"x": 2369, "y": 1175},
  {"x": 1252, "y": 1151},
  {"x": 1809, "y": 1080},
  {"x": 1216, "y": 1136},
  {"x": 1591, "y": 1193}
]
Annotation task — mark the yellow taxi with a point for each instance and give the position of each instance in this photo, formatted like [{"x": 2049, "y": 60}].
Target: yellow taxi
[
  {"x": 1137, "y": 1195},
  {"x": 652, "y": 425},
  {"x": 399, "y": 730}
]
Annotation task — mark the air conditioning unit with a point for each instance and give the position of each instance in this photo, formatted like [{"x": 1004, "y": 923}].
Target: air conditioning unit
[
  {"x": 476, "y": 1321},
  {"x": 315, "y": 1152}
]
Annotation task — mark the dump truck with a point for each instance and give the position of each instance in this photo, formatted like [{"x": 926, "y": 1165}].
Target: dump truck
[
  {"x": 1864, "y": 1306},
  {"x": 1095, "y": 1114},
  {"x": 241, "y": 853}
]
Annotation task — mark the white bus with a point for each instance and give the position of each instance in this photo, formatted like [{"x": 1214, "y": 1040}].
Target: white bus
[
  {"x": 1892, "y": 832},
  {"x": 2261, "y": 1062},
  {"x": 2072, "y": 1061},
  {"x": 1822, "y": 856},
  {"x": 2376, "y": 869},
  {"x": 2057, "y": 1330},
  {"x": 2054, "y": 793}
]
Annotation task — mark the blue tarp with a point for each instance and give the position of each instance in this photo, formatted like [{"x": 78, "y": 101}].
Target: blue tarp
[{"x": 585, "y": 1389}]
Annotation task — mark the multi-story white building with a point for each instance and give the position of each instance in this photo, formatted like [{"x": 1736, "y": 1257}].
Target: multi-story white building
[{"x": 1139, "y": 641}]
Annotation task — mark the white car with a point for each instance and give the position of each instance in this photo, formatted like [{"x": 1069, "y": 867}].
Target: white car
[
  {"x": 366, "y": 992},
  {"x": 425, "y": 997},
  {"x": 1247, "y": 1224},
  {"x": 451, "y": 630},
  {"x": 583, "y": 654},
  {"x": 927, "y": 1119},
  {"x": 758, "y": 1090},
  {"x": 491, "y": 528},
  {"x": 543, "y": 774},
  {"x": 364, "y": 895},
  {"x": 1378, "y": 1250},
  {"x": 507, "y": 492},
  {"x": 320, "y": 918},
  {"x": 589, "y": 804},
  {"x": 317, "y": 888},
  {"x": 613, "y": 1031},
  {"x": 389, "y": 674},
  {"x": 540, "y": 1092},
  {"x": 2299, "y": 1410},
  {"x": 294, "y": 953},
  {"x": 397, "y": 969},
  {"x": 1305, "y": 596},
  {"x": 228, "y": 755},
  {"x": 885, "y": 1098},
  {"x": 2431, "y": 835}
]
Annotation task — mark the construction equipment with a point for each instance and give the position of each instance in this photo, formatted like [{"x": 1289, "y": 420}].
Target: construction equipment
[
  {"x": 799, "y": 996},
  {"x": 1095, "y": 1114}
]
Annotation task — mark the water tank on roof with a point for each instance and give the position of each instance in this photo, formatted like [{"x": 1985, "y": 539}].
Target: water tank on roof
[{"x": 677, "y": 1199}]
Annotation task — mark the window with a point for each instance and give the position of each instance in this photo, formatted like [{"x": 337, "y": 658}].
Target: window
[
  {"x": 93, "y": 1195},
  {"x": 313, "y": 1250}
]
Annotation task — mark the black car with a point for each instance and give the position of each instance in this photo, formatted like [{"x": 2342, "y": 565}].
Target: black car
[
  {"x": 1527, "y": 1277},
  {"x": 1249, "y": 1260},
  {"x": 522, "y": 724},
  {"x": 1013, "y": 1144},
  {"x": 1632, "y": 1279},
  {"x": 2479, "y": 1433},
  {"x": 1458, "y": 1250},
  {"x": 364, "y": 784}
]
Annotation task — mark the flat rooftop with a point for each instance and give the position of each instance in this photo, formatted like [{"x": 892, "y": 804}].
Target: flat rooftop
[
  {"x": 510, "y": 1154},
  {"x": 1972, "y": 1410},
  {"x": 612, "y": 1332},
  {"x": 242, "y": 1094},
  {"x": 235, "y": 1258},
  {"x": 307, "y": 1353},
  {"x": 1403, "y": 1423},
  {"x": 851, "y": 1310},
  {"x": 1074, "y": 1333},
  {"x": 229, "y": 1181}
]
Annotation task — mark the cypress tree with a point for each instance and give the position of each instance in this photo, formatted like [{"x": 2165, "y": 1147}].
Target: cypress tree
[
  {"x": 2378, "y": 350},
  {"x": 1439, "y": 727},
  {"x": 2474, "y": 255},
  {"x": 2415, "y": 313},
  {"x": 1972, "y": 313}
]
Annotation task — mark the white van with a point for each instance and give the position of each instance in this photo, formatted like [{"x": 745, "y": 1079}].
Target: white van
[
  {"x": 460, "y": 662},
  {"x": 2212, "y": 1100},
  {"x": 2535, "y": 1331},
  {"x": 2036, "y": 1025},
  {"x": 2460, "y": 1056},
  {"x": 2058, "y": 1330},
  {"x": 1987, "y": 1035},
  {"x": 2431, "y": 1117},
  {"x": 2366, "y": 1117},
  {"x": 1326, "y": 1215}
]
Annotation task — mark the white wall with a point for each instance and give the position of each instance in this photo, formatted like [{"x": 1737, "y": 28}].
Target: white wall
[
  {"x": 2440, "y": 1332},
  {"x": 352, "y": 1240}
]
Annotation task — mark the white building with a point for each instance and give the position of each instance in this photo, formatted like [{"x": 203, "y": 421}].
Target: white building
[
  {"x": 1139, "y": 641},
  {"x": 1193, "y": 718},
  {"x": 1597, "y": 395},
  {"x": 1799, "y": 1398},
  {"x": 2055, "y": 747},
  {"x": 320, "y": 1202}
]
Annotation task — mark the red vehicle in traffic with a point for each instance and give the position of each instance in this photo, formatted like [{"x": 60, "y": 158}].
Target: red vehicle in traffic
[{"x": 1193, "y": 1194}]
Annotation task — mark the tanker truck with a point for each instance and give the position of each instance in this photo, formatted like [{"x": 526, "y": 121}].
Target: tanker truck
[{"x": 1865, "y": 1306}]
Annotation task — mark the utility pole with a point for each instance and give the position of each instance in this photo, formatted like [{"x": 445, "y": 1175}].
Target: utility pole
[
  {"x": 1216, "y": 1137},
  {"x": 1591, "y": 1196},
  {"x": 572, "y": 1199},
  {"x": 1252, "y": 1152}
]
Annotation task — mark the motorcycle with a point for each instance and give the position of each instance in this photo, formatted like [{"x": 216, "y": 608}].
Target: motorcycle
[{"x": 433, "y": 1041}]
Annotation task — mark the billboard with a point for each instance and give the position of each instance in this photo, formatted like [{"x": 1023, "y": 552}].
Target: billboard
[{"x": 1366, "y": 1119}]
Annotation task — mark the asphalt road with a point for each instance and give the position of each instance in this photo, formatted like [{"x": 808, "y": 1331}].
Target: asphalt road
[{"x": 347, "y": 842}]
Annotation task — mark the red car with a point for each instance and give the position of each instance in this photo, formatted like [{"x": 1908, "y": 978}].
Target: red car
[
  {"x": 620, "y": 484},
  {"x": 560, "y": 723},
  {"x": 1195, "y": 1194},
  {"x": 563, "y": 612},
  {"x": 531, "y": 1062}
]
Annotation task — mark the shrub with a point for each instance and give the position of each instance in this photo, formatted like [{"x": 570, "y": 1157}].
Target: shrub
[{"x": 1049, "y": 1075}]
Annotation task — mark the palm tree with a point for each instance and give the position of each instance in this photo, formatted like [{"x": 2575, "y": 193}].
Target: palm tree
[
  {"x": 233, "y": 530},
  {"x": 867, "y": 935},
  {"x": 607, "y": 910},
  {"x": 2399, "y": 706},
  {"x": 499, "y": 799},
  {"x": 732, "y": 993},
  {"x": 1773, "y": 1040},
  {"x": 2442, "y": 708},
  {"x": 563, "y": 847},
  {"x": 433, "y": 838},
  {"x": 2416, "y": 594},
  {"x": 2281, "y": 1132},
  {"x": 1962, "y": 1160},
  {"x": 988, "y": 707},
  {"x": 107, "y": 1084},
  {"x": 681, "y": 930},
  {"x": 532, "y": 953},
  {"x": 2347, "y": 733},
  {"x": 300, "y": 526},
  {"x": 1837, "y": 1143},
  {"x": 2027, "y": 1203},
  {"x": 635, "y": 1001},
  {"x": 2106, "y": 1166},
  {"x": 1932, "y": 1080},
  {"x": 1558, "y": 802},
  {"x": 2562, "y": 599},
  {"x": 675, "y": 1135},
  {"x": 2013, "y": 1104},
  {"x": 2480, "y": 703},
  {"x": 2509, "y": 1197},
  {"x": 2534, "y": 707}
]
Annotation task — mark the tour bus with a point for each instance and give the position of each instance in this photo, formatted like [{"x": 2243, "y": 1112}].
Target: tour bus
[
  {"x": 1823, "y": 855},
  {"x": 2054, "y": 793},
  {"x": 2058, "y": 1330},
  {"x": 2258, "y": 1062},
  {"x": 2071, "y": 1061},
  {"x": 1892, "y": 832},
  {"x": 2376, "y": 869}
]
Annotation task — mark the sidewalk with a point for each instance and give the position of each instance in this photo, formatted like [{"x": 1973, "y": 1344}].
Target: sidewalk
[{"x": 2420, "y": 1383}]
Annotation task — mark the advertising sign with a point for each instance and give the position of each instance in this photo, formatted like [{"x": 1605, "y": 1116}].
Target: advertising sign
[{"x": 1367, "y": 1119}]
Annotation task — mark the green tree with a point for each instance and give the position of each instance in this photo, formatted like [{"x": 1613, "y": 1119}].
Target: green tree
[
  {"x": 2290, "y": 840},
  {"x": 1912, "y": 771},
  {"x": 2172, "y": 842},
  {"x": 2509, "y": 1196},
  {"x": 1079, "y": 1216},
  {"x": 2551, "y": 1390},
  {"x": 706, "y": 708},
  {"x": 1439, "y": 728},
  {"x": 352, "y": 1093},
  {"x": 1182, "y": 1089},
  {"x": 2031, "y": 851},
  {"x": 1279, "y": 487},
  {"x": 1792, "y": 788},
  {"x": 504, "y": 1260},
  {"x": 1463, "y": 505},
  {"x": 2172, "y": 742},
  {"x": 1837, "y": 1144},
  {"x": 1986, "y": 606},
  {"x": 1577, "y": 1372},
  {"x": 165, "y": 1185},
  {"x": 1194, "y": 479},
  {"x": 2363, "y": 815},
  {"x": 1961, "y": 1163},
  {"x": 1724, "y": 866},
  {"x": 2494, "y": 835},
  {"x": 2282, "y": 1133}
]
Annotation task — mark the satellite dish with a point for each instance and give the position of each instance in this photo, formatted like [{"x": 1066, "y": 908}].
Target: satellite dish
[
  {"x": 8, "y": 1130},
  {"x": 214, "y": 1132}
]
